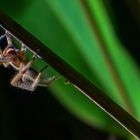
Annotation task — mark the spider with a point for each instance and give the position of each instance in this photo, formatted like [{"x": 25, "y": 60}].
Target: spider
[{"x": 26, "y": 77}]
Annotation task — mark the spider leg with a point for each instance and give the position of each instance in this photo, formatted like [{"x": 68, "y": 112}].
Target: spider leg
[
  {"x": 6, "y": 59},
  {"x": 28, "y": 65},
  {"x": 5, "y": 64},
  {"x": 26, "y": 81},
  {"x": 9, "y": 41},
  {"x": 8, "y": 38},
  {"x": 47, "y": 82},
  {"x": 22, "y": 71},
  {"x": 16, "y": 78},
  {"x": 3, "y": 36},
  {"x": 23, "y": 47},
  {"x": 35, "y": 80}
]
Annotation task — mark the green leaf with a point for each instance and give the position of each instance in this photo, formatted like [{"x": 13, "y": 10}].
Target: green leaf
[{"x": 127, "y": 69}]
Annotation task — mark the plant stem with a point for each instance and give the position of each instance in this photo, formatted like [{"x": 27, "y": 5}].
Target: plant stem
[{"x": 81, "y": 83}]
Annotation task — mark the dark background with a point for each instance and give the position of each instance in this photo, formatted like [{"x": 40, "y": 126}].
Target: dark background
[
  {"x": 39, "y": 116},
  {"x": 126, "y": 20}
]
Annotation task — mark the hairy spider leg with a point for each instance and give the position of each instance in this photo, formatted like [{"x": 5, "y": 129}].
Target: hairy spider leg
[
  {"x": 21, "y": 54},
  {"x": 8, "y": 37},
  {"x": 23, "y": 47},
  {"x": 37, "y": 79},
  {"x": 22, "y": 71},
  {"x": 47, "y": 82},
  {"x": 27, "y": 80},
  {"x": 5, "y": 60},
  {"x": 1, "y": 52}
]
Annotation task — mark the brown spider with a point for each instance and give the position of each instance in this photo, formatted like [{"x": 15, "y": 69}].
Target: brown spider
[{"x": 26, "y": 78}]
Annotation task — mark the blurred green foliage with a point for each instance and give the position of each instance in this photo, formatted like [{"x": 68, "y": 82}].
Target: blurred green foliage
[{"x": 66, "y": 28}]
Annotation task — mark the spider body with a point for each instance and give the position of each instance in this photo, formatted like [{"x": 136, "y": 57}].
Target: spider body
[{"x": 25, "y": 78}]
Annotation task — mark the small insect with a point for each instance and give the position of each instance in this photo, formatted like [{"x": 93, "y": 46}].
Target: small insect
[{"x": 26, "y": 77}]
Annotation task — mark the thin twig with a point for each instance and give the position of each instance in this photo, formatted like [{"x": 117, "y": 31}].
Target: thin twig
[{"x": 81, "y": 83}]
